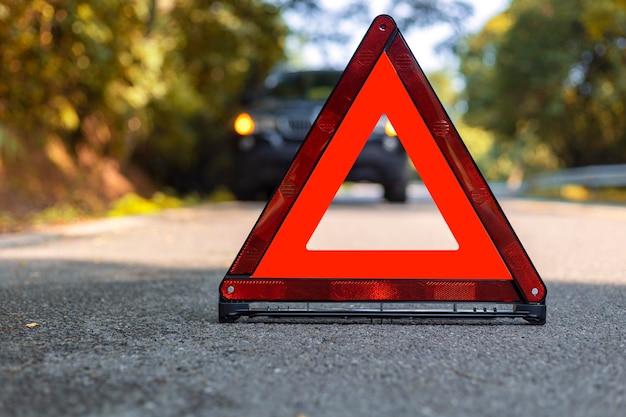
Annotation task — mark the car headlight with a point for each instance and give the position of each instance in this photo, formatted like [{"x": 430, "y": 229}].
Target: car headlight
[
  {"x": 244, "y": 124},
  {"x": 389, "y": 130}
]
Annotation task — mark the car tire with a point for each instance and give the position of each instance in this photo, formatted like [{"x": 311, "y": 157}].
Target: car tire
[{"x": 395, "y": 192}]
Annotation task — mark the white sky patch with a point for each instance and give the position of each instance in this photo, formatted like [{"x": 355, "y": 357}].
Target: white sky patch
[{"x": 421, "y": 42}]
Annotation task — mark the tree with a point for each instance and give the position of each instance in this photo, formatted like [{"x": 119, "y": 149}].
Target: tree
[
  {"x": 219, "y": 47},
  {"x": 125, "y": 81},
  {"x": 552, "y": 72},
  {"x": 148, "y": 83}
]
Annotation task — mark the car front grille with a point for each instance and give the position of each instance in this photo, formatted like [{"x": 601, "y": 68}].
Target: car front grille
[
  {"x": 294, "y": 127},
  {"x": 299, "y": 125}
]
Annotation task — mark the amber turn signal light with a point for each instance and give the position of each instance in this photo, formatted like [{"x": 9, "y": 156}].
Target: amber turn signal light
[
  {"x": 389, "y": 130},
  {"x": 244, "y": 125}
]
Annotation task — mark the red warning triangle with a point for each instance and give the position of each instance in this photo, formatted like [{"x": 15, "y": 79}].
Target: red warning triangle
[{"x": 490, "y": 263}]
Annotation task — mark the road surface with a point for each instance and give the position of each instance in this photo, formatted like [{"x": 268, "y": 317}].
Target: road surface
[{"x": 119, "y": 318}]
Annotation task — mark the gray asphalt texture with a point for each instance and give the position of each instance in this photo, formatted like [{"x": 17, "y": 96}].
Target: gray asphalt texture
[{"x": 126, "y": 316}]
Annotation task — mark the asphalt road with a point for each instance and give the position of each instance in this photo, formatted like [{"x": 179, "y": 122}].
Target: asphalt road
[{"x": 119, "y": 318}]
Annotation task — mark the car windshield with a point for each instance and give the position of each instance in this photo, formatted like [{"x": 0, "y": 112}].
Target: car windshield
[{"x": 311, "y": 85}]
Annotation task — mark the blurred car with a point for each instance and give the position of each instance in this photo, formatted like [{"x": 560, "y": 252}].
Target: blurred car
[{"x": 275, "y": 123}]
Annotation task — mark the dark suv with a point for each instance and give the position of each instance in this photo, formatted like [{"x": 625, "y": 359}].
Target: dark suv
[{"x": 275, "y": 123}]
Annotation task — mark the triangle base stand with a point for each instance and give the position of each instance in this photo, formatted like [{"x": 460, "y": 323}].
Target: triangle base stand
[{"x": 231, "y": 311}]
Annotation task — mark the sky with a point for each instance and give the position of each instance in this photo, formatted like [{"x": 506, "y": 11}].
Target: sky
[{"x": 422, "y": 43}]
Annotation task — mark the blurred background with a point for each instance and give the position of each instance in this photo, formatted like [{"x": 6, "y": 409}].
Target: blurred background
[{"x": 128, "y": 104}]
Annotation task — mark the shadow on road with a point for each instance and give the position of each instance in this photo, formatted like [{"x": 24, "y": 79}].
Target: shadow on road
[{"x": 123, "y": 339}]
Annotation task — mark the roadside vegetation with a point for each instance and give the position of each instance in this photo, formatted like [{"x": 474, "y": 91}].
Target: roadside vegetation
[
  {"x": 103, "y": 105},
  {"x": 548, "y": 77}
]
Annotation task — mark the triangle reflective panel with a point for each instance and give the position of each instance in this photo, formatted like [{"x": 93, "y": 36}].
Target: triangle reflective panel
[{"x": 489, "y": 275}]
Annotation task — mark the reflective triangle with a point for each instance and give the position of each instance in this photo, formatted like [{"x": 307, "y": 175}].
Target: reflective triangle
[{"x": 490, "y": 263}]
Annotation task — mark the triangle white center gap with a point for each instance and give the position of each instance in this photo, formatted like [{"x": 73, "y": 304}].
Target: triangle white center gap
[
  {"x": 413, "y": 226},
  {"x": 372, "y": 224}
]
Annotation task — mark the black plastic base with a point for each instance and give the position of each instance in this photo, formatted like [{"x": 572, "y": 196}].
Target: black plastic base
[{"x": 533, "y": 313}]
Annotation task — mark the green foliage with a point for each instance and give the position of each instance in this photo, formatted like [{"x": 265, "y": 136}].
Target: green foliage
[
  {"x": 497, "y": 160},
  {"x": 220, "y": 45},
  {"x": 551, "y": 73},
  {"x": 152, "y": 83},
  {"x": 60, "y": 213},
  {"x": 130, "y": 79},
  {"x": 9, "y": 146},
  {"x": 132, "y": 204},
  {"x": 8, "y": 222},
  {"x": 221, "y": 194},
  {"x": 578, "y": 193}
]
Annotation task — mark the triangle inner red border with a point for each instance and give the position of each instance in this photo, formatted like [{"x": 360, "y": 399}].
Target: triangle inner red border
[{"x": 287, "y": 256}]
